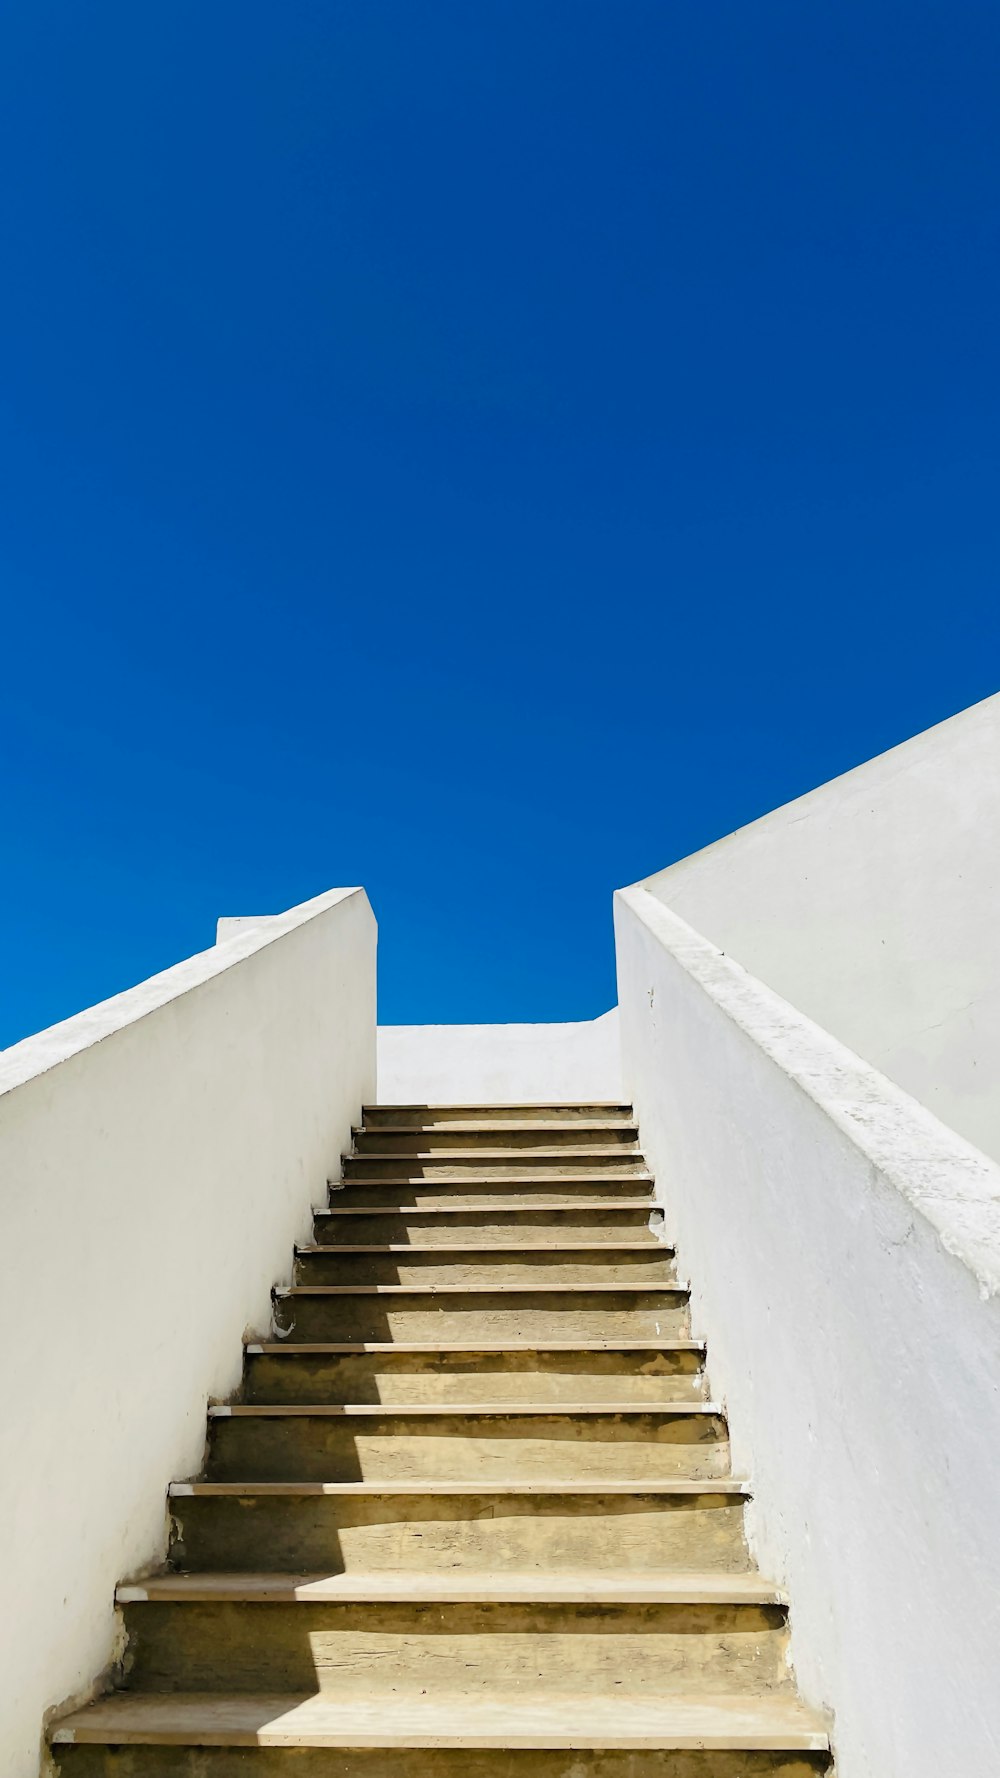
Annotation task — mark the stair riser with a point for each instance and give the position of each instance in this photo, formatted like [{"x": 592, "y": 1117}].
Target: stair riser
[
  {"x": 550, "y": 1166},
  {"x": 540, "y": 1649},
  {"x": 476, "y": 1376},
  {"x": 306, "y": 1448},
  {"x": 514, "y": 1228},
  {"x": 435, "y": 1117},
  {"x": 486, "y": 1316},
  {"x": 483, "y": 1533},
  {"x": 480, "y": 1193},
  {"x": 442, "y": 1141},
  {"x": 412, "y": 1762},
  {"x": 542, "y": 1269}
]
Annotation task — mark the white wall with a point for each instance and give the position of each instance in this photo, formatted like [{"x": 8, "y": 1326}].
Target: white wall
[
  {"x": 871, "y": 904},
  {"x": 498, "y": 1064},
  {"x": 158, "y": 1158},
  {"x": 844, "y": 1251}
]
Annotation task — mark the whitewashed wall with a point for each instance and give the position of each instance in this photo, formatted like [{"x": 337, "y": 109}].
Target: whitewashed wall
[
  {"x": 497, "y": 1064},
  {"x": 158, "y": 1158},
  {"x": 844, "y": 1250},
  {"x": 871, "y": 904}
]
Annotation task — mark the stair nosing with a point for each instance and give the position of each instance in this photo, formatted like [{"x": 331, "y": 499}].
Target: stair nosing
[
  {"x": 670, "y": 1587},
  {"x": 462, "y": 1410},
  {"x": 664, "y": 1286},
  {"x": 488, "y": 1247},
  {"x": 684, "y": 1486},
  {"x": 503, "y": 1208},
  {"x": 384, "y": 1347}
]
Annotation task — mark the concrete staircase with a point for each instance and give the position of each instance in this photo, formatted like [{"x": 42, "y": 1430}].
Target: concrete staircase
[{"x": 473, "y": 1516}]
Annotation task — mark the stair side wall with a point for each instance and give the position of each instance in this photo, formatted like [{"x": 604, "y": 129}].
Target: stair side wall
[{"x": 158, "y": 1157}]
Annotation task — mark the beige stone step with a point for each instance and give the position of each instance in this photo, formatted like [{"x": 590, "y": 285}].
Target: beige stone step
[
  {"x": 560, "y": 1166},
  {"x": 432, "y": 1116},
  {"x": 564, "y": 1138},
  {"x": 589, "y": 1191},
  {"x": 431, "y": 1719},
  {"x": 468, "y": 1587},
  {"x": 279, "y": 1371},
  {"x": 543, "y": 1263},
  {"x": 528, "y": 1633},
  {"x": 518, "y": 1311},
  {"x": 514, "y": 1225},
  {"x": 372, "y": 1443},
  {"x": 542, "y": 1526}
]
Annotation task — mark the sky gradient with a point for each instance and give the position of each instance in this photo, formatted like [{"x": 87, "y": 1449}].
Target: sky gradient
[{"x": 483, "y": 452}]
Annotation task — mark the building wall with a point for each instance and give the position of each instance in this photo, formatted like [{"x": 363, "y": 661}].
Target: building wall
[
  {"x": 484, "y": 1064},
  {"x": 872, "y": 905},
  {"x": 844, "y": 1251},
  {"x": 159, "y": 1155}
]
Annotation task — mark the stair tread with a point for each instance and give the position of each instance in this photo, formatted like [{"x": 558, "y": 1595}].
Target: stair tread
[
  {"x": 464, "y": 1586},
  {"x": 500, "y": 1206},
  {"x": 480, "y": 1126},
  {"x": 406, "y": 1719},
  {"x": 681, "y": 1485},
  {"x": 538, "y": 1105},
  {"x": 664, "y": 1285},
  {"x": 598, "y": 1151},
  {"x": 422, "y": 1410},
  {"x": 300, "y": 1348},
  {"x": 453, "y": 1250}
]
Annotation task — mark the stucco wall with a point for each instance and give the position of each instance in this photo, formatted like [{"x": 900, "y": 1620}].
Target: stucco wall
[
  {"x": 158, "y": 1157},
  {"x": 871, "y": 904},
  {"x": 497, "y": 1064},
  {"x": 844, "y": 1252}
]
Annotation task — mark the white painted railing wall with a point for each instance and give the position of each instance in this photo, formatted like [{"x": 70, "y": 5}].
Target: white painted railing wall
[
  {"x": 498, "y": 1064},
  {"x": 871, "y": 904},
  {"x": 844, "y": 1249},
  {"x": 158, "y": 1157}
]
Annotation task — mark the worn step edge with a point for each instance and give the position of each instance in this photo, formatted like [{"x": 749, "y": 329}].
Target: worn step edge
[
  {"x": 501, "y": 1207},
  {"x": 683, "y": 1486},
  {"x": 599, "y": 1152},
  {"x": 459, "y": 1587},
  {"x": 399, "y": 1720},
  {"x": 421, "y": 1410},
  {"x": 534, "y": 1105},
  {"x": 387, "y": 1347},
  {"x": 663, "y": 1287},
  {"x": 489, "y": 1248},
  {"x": 502, "y": 1176},
  {"x": 484, "y": 1127}
]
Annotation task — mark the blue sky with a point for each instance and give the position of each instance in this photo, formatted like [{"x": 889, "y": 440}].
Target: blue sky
[{"x": 480, "y": 451}]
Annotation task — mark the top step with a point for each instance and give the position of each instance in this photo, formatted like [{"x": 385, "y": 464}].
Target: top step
[{"x": 431, "y": 1117}]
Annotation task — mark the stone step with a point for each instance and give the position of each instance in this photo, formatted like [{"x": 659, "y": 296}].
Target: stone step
[
  {"x": 604, "y": 1222},
  {"x": 385, "y": 1312},
  {"x": 430, "y": 1117},
  {"x": 526, "y": 1634},
  {"x": 513, "y": 1139},
  {"x": 560, "y": 1166},
  {"x": 513, "y": 1224},
  {"x": 552, "y": 1263},
  {"x": 329, "y": 1527},
  {"x": 280, "y": 1372},
  {"x": 371, "y": 1442},
  {"x": 437, "y": 1733},
  {"x": 589, "y": 1191}
]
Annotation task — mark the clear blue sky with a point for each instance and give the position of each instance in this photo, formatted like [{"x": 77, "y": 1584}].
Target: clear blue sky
[{"x": 482, "y": 451}]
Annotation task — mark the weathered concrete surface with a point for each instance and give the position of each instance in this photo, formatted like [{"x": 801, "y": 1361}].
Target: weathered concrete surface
[
  {"x": 158, "y": 1154},
  {"x": 844, "y": 1252}
]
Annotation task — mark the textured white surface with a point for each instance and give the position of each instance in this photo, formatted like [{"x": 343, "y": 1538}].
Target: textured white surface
[
  {"x": 498, "y": 1064},
  {"x": 844, "y": 1248},
  {"x": 871, "y": 904},
  {"x": 158, "y": 1157}
]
